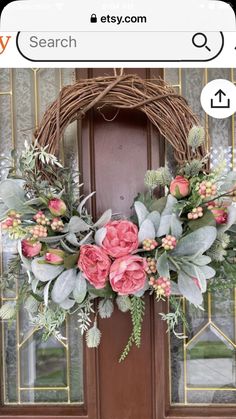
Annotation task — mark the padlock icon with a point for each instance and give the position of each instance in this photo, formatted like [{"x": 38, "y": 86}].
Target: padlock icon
[{"x": 93, "y": 18}]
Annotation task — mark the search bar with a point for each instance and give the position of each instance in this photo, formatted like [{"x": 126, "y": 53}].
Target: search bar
[{"x": 120, "y": 47}]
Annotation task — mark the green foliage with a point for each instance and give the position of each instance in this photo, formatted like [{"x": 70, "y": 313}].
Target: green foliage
[
  {"x": 175, "y": 315},
  {"x": 84, "y": 315},
  {"x": 50, "y": 319},
  {"x": 70, "y": 261},
  {"x": 105, "y": 308},
  {"x": 225, "y": 277},
  {"x": 8, "y": 310},
  {"x": 11, "y": 275},
  {"x": 217, "y": 251},
  {"x": 158, "y": 204},
  {"x": 137, "y": 313},
  {"x": 105, "y": 292},
  {"x": 207, "y": 220},
  {"x": 124, "y": 303},
  {"x": 193, "y": 167},
  {"x": 160, "y": 177},
  {"x": 196, "y": 137},
  {"x": 93, "y": 336}
]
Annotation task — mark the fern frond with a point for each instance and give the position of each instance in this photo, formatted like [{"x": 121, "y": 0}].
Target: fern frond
[{"x": 137, "y": 313}]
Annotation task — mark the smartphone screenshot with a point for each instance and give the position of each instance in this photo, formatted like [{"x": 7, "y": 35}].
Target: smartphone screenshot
[{"x": 117, "y": 209}]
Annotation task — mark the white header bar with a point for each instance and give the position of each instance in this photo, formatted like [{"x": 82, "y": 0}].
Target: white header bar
[{"x": 113, "y": 15}]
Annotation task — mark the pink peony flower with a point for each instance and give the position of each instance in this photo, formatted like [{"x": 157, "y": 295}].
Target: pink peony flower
[
  {"x": 95, "y": 264},
  {"x": 121, "y": 238},
  {"x": 57, "y": 207},
  {"x": 128, "y": 274},
  {"x": 55, "y": 257},
  {"x": 180, "y": 187},
  {"x": 30, "y": 248}
]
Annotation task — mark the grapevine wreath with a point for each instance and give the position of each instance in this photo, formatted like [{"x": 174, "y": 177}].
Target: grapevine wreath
[{"x": 181, "y": 244}]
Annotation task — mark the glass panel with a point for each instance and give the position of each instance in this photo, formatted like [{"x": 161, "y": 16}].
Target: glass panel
[
  {"x": 205, "y": 362},
  {"x": 5, "y": 80},
  {"x": 34, "y": 371},
  {"x": 203, "y": 366},
  {"x": 44, "y": 396}
]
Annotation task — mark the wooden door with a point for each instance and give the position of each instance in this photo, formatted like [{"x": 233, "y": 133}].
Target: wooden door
[
  {"x": 115, "y": 156},
  {"x": 113, "y": 159}
]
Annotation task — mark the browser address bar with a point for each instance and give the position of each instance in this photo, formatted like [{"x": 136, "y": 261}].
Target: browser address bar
[{"x": 122, "y": 46}]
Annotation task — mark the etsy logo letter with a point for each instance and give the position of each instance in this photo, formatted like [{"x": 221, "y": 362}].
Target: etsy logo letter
[{"x": 3, "y": 43}]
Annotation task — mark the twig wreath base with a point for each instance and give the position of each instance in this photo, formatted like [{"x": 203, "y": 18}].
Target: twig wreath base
[{"x": 164, "y": 108}]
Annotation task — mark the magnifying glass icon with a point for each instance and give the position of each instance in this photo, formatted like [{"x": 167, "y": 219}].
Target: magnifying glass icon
[{"x": 199, "y": 40}]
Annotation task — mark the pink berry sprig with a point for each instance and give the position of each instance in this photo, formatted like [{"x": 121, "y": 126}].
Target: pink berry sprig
[
  {"x": 169, "y": 242},
  {"x": 57, "y": 224},
  {"x": 161, "y": 286},
  {"x": 152, "y": 266},
  {"x": 149, "y": 244},
  {"x": 41, "y": 219},
  {"x": 195, "y": 213},
  {"x": 12, "y": 221},
  {"x": 38, "y": 232},
  {"x": 207, "y": 189}
]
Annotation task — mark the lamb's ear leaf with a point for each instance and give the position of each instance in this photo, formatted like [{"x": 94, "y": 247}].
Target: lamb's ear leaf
[
  {"x": 76, "y": 225},
  {"x": 146, "y": 231},
  {"x": 52, "y": 239},
  {"x": 46, "y": 292},
  {"x": 164, "y": 227},
  {"x": 141, "y": 212},
  {"x": 67, "y": 304},
  {"x": 13, "y": 195},
  {"x": 80, "y": 290},
  {"x": 176, "y": 226},
  {"x": 170, "y": 203},
  {"x": 83, "y": 202},
  {"x": 64, "y": 285},
  {"x": 208, "y": 271},
  {"x": 163, "y": 265},
  {"x": 174, "y": 288},
  {"x": 201, "y": 260},
  {"x": 197, "y": 242},
  {"x": 155, "y": 217},
  {"x": 189, "y": 289},
  {"x": 196, "y": 272},
  {"x": 45, "y": 272},
  {"x": 100, "y": 235},
  {"x": 104, "y": 219},
  {"x": 72, "y": 239}
]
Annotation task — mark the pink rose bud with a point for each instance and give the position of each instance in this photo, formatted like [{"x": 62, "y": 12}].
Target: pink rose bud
[
  {"x": 57, "y": 207},
  {"x": 30, "y": 248},
  {"x": 220, "y": 214},
  {"x": 55, "y": 257},
  {"x": 180, "y": 187}
]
